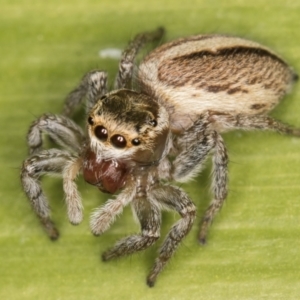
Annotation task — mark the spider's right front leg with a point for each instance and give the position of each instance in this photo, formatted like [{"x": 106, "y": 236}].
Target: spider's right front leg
[{"x": 57, "y": 162}]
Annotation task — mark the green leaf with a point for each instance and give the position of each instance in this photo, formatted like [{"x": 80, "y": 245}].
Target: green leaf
[{"x": 253, "y": 246}]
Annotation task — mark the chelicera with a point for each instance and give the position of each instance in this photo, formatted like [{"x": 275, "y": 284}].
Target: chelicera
[{"x": 157, "y": 126}]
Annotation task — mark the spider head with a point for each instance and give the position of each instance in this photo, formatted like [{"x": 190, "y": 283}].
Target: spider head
[
  {"x": 126, "y": 130},
  {"x": 129, "y": 126}
]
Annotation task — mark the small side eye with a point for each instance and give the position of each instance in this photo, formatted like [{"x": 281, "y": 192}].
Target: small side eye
[
  {"x": 135, "y": 142},
  {"x": 90, "y": 121},
  {"x": 153, "y": 123},
  {"x": 118, "y": 141},
  {"x": 101, "y": 133}
]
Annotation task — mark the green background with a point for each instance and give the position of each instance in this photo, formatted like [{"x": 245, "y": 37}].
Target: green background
[{"x": 253, "y": 247}]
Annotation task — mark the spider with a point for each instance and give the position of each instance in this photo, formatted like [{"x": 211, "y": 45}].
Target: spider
[{"x": 159, "y": 124}]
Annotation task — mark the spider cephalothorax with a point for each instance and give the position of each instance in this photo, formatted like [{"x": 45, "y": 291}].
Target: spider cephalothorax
[
  {"x": 190, "y": 91},
  {"x": 127, "y": 131}
]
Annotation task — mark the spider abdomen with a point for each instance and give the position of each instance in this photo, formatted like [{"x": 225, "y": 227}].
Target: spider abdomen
[{"x": 217, "y": 73}]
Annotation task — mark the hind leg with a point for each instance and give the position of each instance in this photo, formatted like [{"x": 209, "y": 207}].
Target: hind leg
[{"x": 245, "y": 122}]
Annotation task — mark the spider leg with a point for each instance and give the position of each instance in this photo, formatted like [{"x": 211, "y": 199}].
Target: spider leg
[
  {"x": 93, "y": 85},
  {"x": 176, "y": 199},
  {"x": 149, "y": 217},
  {"x": 195, "y": 145},
  {"x": 220, "y": 160},
  {"x": 51, "y": 161},
  {"x": 246, "y": 122},
  {"x": 60, "y": 129},
  {"x": 219, "y": 186},
  {"x": 105, "y": 215},
  {"x": 124, "y": 77}
]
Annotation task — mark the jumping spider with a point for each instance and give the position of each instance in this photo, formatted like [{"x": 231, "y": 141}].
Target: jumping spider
[{"x": 159, "y": 124}]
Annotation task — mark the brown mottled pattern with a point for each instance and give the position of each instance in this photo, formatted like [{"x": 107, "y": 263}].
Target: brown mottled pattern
[
  {"x": 154, "y": 53},
  {"x": 257, "y": 106},
  {"x": 233, "y": 70},
  {"x": 127, "y": 106}
]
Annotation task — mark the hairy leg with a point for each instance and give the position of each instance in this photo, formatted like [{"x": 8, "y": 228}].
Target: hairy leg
[
  {"x": 61, "y": 129},
  {"x": 176, "y": 199},
  {"x": 72, "y": 196},
  {"x": 51, "y": 161},
  {"x": 124, "y": 77},
  {"x": 220, "y": 174},
  {"x": 219, "y": 186},
  {"x": 230, "y": 122},
  {"x": 93, "y": 85},
  {"x": 202, "y": 137},
  {"x": 149, "y": 217},
  {"x": 194, "y": 146},
  {"x": 104, "y": 216}
]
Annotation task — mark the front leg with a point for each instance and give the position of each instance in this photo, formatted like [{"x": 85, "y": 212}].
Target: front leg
[
  {"x": 149, "y": 217},
  {"x": 72, "y": 196},
  {"x": 105, "y": 215}
]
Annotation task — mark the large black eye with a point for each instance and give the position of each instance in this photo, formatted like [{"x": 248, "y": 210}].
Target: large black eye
[
  {"x": 101, "y": 133},
  {"x": 118, "y": 141},
  {"x": 135, "y": 142}
]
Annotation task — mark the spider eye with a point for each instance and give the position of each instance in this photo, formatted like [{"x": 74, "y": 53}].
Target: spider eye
[
  {"x": 135, "y": 142},
  {"x": 153, "y": 123},
  {"x": 90, "y": 121},
  {"x": 118, "y": 141},
  {"x": 101, "y": 133}
]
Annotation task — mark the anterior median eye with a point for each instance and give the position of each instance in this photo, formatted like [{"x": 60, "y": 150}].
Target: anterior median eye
[
  {"x": 118, "y": 141},
  {"x": 101, "y": 133}
]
